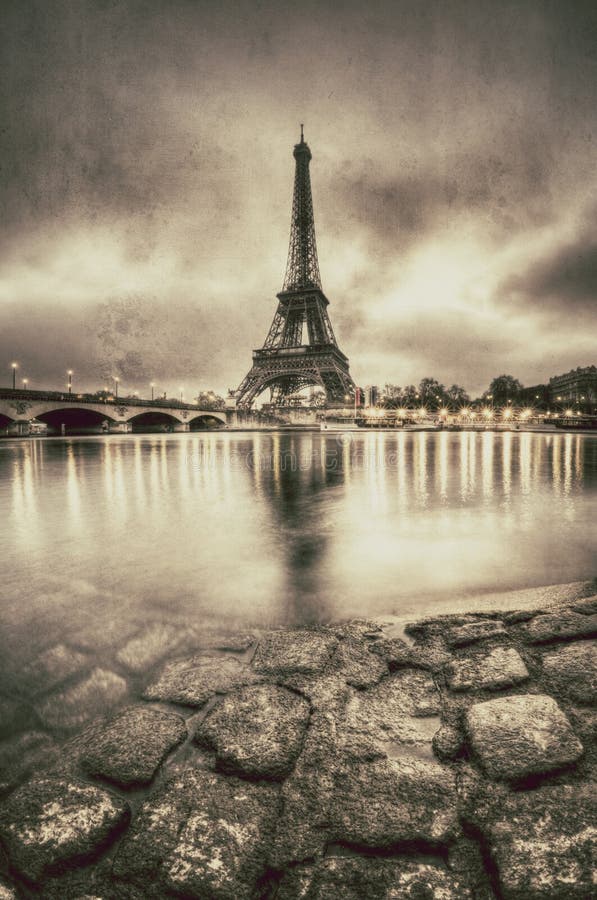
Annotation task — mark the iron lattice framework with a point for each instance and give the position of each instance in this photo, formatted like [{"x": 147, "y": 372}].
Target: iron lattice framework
[{"x": 285, "y": 363}]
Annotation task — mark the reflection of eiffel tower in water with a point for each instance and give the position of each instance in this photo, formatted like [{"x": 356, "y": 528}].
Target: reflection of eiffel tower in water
[{"x": 285, "y": 364}]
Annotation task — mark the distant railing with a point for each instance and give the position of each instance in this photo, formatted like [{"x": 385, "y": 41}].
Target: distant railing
[{"x": 65, "y": 397}]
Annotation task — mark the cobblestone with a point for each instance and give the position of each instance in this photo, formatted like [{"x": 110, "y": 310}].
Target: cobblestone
[{"x": 339, "y": 763}]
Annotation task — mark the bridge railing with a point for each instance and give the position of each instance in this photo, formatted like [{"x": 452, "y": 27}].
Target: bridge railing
[{"x": 65, "y": 397}]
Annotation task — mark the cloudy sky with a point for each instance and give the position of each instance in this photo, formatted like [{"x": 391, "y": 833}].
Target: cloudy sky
[{"x": 146, "y": 168}]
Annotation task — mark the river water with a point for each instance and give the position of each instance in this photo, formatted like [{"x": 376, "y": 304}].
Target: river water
[{"x": 262, "y": 528}]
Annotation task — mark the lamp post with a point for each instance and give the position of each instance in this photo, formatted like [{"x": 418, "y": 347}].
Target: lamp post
[
  {"x": 152, "y": 385},
  {"x": 116, "y": 380},
  {"x": 70, "y": 381},
  {"x": 25, "y": 383},
  {"x": 15, "y": 366},
  {"x": 180, "y": 389}
]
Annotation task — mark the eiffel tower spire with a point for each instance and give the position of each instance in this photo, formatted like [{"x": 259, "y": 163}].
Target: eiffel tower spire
[
  {"x": 300, "y": 348},
  {"x": 302, "y": 268}
]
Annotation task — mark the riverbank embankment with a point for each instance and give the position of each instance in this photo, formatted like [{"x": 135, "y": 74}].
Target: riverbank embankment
[{"x": 457, "y": 761}]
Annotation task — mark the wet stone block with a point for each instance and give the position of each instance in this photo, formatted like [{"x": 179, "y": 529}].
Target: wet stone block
[
  {"x": 13, "y": 715},
  {"x": 587, "y": 606},
  {"x": 149, "y": 647},
  {"x": 235, "y": 642},
  {"x": 354, "y": 878},
  {"x": 560, "y": 627},
  {"x": 572, "y": 670},
  {"x": 51, "y": 668},
  {"x": 500, "y": 668},
  {"x": 284, "y": 652},
  {"x": 522, "y": 735},
  {"x": 130, "y": 748},
  {"x": 73, "y": 707},
  {"x": 191, "y": 682},
  {"x": 401, "y": 709},
  {"x": 389, "y": 801},
  {"x": 21, "y": 755},
  {"x": 257, "y": 730},
  {"x": 473, "y": 632},
  {"x": 543, "y": 844},
  {"x": 354, "y": 662},
  {"x": 394, "y": 651},
  {"x": 447, "y": 742},
  {"x": 202, "y": 835},
  {"x": 48, "y": 823}
]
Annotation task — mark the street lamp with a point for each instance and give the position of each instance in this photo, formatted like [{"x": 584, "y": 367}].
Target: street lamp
[
  {"x": 116, "y": 381},
  {"x": 25, "y": 383},
  {"x": 70, "y": 381},
  {"x": 152, "y": 385},
  {"x": 180, "y": 389},
  {"x": 15, "y": 366}
]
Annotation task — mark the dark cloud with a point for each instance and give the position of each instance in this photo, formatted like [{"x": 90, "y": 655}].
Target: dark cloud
[
  {"x": 567, "y": 279},
  {"x": 146, "y": 176}
]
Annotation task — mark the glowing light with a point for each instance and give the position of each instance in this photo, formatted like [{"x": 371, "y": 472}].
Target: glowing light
[
  {"x": 443, "y": 412},
  {"x": 526, "y": 413},
  {"x": 487, "y": 413},
  {"x": 568, "y": 412},
  {"x": 507, "y": 413}
]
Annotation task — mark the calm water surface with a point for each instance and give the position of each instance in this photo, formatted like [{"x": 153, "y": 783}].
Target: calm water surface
[{"x": 271, "y": 528}]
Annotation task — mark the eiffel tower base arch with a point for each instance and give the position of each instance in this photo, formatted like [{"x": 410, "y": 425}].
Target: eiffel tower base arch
[{"x": 287, "y": 372}]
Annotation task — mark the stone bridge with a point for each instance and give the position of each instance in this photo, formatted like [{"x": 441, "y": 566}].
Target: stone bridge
[{"x": 65, "y": 413}]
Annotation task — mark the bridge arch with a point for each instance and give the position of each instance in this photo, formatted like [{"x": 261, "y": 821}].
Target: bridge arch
[
  {"x": 293, "y": 379},
  {"x": 154, "y": 420},
  {"x": 206, "y": 420},
  {"x": 75, "y": 420}
]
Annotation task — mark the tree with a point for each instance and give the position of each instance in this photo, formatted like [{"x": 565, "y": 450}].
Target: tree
[
  {"x": 457, "y": 396},
  {"x": 410, "y": 396},
  {"x": 431, "y": 393},
  {"x": 502, "y": 389},
  {"x": 210, "y": 400}
]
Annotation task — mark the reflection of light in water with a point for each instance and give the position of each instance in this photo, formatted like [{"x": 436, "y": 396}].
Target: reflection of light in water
[
  {"x": 401, "y": 471},
  {"x": 346, "y": 463},
  {"x": 228, "y": 541},
  {"x": 441, "y": 465},
  {"x": 524, "y": 462},
  {"x": 487, "y": 473},
  {"x": 507, "y": 463},
  {"x": 120, "y": 493},
  {"x": 252, "y": 461},
  {"x": 183, "y": 467},
  {"x": 374, "y": 464},
  {"x": 464, "y": 464},
  {"x": 139, "y": 475},
  {"x": 537, "y": 461},
  {"x": 108, "y": 479},
  {"x": 24, "y": 508},
  {"x": 556, "y": 462},
  {"x": 568, "y": 439},
  {"x": 154, "y": 471},
  {"x": 164, "y": 464},
  {"x": 73, "y": 490},
  {"x": 472, "y": 461},
  {"x": 276, "y": 462},
  {"x": 226, "y": 462},
  {"x": 420, "y": 473}
]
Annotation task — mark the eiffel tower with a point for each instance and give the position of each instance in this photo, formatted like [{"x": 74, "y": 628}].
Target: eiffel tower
[{"x": 285, "y": 363}]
